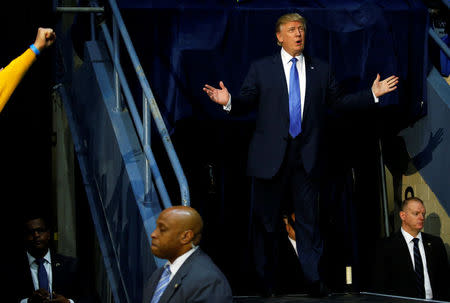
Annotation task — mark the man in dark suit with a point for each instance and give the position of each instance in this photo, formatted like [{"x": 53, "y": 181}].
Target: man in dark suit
[
  {"x": 292, "y": 93},
  {"x": 189, "y": 275},
  {"x": 43, "y": 275},
  {"x": 405, "y": 268}
]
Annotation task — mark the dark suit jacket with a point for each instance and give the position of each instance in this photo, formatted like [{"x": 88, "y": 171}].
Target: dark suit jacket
[
  {"x": 67, "y": 276},
  {"x": 197, "y": 280},
  {"x": 265, "y": 88},
  {"x": 394, "y": 272}
]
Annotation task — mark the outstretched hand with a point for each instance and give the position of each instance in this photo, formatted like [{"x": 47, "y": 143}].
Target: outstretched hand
[
  {"x": 220, "y": 96},
  {"x": 379, "y": 88},
  {"x": 44, "y": 38}
]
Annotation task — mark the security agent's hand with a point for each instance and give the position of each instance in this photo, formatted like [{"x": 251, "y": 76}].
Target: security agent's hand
[
  {"x": 39, "y": 296},
  {"x": 220, "y": 96},
  {"x": 44, "y": 38},
  {"x": 379, "y": 88},
  {"x": 57, "y": 298}
]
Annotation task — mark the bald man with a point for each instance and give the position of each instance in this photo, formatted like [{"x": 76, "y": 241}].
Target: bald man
[{"x": 189, "y": 274}]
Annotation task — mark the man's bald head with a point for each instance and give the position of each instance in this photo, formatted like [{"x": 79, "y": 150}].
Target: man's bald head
[
  {"x": 187, "y": 218},
  {"x": 178, "y": 228}
]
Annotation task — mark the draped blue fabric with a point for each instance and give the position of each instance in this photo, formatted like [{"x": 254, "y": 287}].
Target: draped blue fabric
[{"x": 185, "y": 44}]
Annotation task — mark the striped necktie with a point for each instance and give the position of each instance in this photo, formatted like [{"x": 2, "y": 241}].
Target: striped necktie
[
  {"x": 162, "y": 284},
  {"x": 418, "y": 267}
]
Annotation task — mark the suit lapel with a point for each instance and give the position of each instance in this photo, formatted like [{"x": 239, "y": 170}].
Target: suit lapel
[
  {"x": 428, "y": 248},
  {"x": 404, "y": 252},
  {"x": 56, "y": 271},
  {"x": 27, "y": 275},
  {"x": 177, "y": 280},
  {"x": 151, "y": 286},
  {"x": 280, "y": 84},
  {"x": 310, "y": 74}
]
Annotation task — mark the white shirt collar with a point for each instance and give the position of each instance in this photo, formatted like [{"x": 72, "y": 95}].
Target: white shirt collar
[
  {"x": 175, "y": 266},
  {"x": 408, "y": 237},
  {"x": 47, "y": 258},
  {"x": 285, "y": 57}
]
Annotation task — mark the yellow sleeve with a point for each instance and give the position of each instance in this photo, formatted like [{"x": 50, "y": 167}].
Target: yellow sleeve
[{"x": 12, "y": 74}]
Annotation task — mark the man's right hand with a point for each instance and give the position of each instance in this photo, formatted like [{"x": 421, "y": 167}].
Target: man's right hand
[
  {"x": 39, "y": 296},
  {"x": 220, "y": 96},
  {"x": 44, "y": 38}
]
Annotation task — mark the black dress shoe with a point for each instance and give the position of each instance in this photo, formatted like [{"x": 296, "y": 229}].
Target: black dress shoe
[{"x": 318, "y": 289}]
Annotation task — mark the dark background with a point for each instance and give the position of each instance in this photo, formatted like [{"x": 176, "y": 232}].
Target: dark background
[{"x": 25, "y": 122}]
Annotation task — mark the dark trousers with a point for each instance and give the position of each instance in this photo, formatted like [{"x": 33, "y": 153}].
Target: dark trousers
[{"x": 290, "y": 189}]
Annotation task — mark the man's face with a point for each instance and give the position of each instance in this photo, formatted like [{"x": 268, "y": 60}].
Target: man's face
[
  {"x": 37, "y": 236},
  {"x": 166, "y": 237},
  {"x": 413, "y": 217},
  {"x": 292, "y": 37}
]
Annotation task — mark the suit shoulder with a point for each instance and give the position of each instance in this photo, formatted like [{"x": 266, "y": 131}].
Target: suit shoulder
[
  {"x": 64, "y": 259},
  {"x": 204, "y": 269},
  {"x": 316, "y": 62},
  {"x": 393, "y": 240},
  {"x": 203, "y": 261},
  {"x": 432, "y": 239},
  {"x": 263, "y": 62},
  {"x": 427, "y": 236}
]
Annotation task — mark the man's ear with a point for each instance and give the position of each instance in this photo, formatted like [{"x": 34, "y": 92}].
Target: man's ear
[
  {"x": 402, "y": 215},
  {"x": 187, "y": 236},
  {"x": 279, "y": 37}
]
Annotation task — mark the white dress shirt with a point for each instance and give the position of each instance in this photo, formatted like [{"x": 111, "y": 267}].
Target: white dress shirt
[
  {"x": 294, "y": 245},
  {"x": 175, "y": 266},
  {"x": 34, "y": 272},
  {"x": 409, "y": 241}
]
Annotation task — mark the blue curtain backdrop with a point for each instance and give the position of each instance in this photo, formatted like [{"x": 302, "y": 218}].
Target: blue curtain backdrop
[{"x": 184, "y": 44}]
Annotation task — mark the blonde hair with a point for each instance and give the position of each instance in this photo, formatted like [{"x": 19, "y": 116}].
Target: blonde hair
[{"x": 292, "y": 17}]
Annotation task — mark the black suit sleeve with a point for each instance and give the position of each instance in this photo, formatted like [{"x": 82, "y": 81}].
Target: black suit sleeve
[
  {"x": 247, "y": 99},
  {"x": 339, "y": 100},
  {"x": 442, "y": 291},
  {"x": 379, "y": 269}
]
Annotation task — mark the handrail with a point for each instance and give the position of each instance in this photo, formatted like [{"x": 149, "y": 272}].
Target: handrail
[
  {"x": 439, "y": 42},
  {"x": 150, "y": 101},
  {"x": 137, "y": 120},
  {"x": 436, "y": 38}
]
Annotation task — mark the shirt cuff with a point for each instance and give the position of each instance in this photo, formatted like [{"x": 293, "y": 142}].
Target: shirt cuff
[
  {"x": 227, "y": 107},
  {"x": 375, "y": 98}
]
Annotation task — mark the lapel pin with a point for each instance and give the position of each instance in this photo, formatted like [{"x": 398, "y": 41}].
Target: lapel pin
[
  {"x": 57, "y": 264},
  {"x": 312, "y": 67},
  {"x": 429, "y": 244},
  {"x": 176, "y": 286}
]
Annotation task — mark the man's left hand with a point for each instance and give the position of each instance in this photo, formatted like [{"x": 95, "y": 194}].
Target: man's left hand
[
  {"x": 58, "y": 299},
  {"x": 379, "y": 88}
]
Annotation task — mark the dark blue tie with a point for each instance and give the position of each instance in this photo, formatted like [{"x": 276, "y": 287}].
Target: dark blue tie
[
  {"x": 295, "y": 109},
  {"x": 162, "y": 284},
  {"x": 418, "y": 267},
  {"x": 42, "y": 274}
]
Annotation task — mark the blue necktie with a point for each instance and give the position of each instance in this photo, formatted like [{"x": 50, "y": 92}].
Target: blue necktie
[
  {"x": 162, "y": 284},
  {"x": 418, "y": 267},
  {"x": 42, "y": 274},
  {"x": 295, "y": 109}
]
